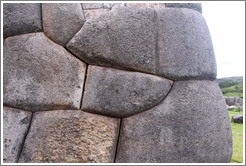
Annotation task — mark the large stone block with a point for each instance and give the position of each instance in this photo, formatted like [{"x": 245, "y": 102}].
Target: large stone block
[
  {"x": 61, "y": 21},
  {"x": 172, "y": 43},
  {"x": 238, "y": 101},
  {"x": 21, "y": 18},
  {"x": 122, "y": 38},
  {"x": 15, "y": 127},
  {"x": 192, "y": 125},
  {"x": 237, "y": 118},
  {"x": 230, "y": 101},
  {"x": 70, "y": 136},
  {"x": 121, "y": 93},
  {"x": 40, "y": 75},
  {"x": 185, "y": 49}
]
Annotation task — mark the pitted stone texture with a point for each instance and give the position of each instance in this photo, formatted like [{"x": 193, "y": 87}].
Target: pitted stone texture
[
  {"x": 21, "y": 18},
  {"x": 113, "y": 5},
  {"x": 148, "y": 5},
  {"x": 94, "y": 13},
  {"x": 120, "y": 93},
  {"x": 194, "y": 6},
  {"x": 191, "y": 125},
  {"x": 70, "y": 136},
  {"x": 121, "y": 38},
  {"x": 92, "y": 5},
  {"x": 61, "y": 21},
  {"x": 40, "y": 75},
  {"x": 15, "y": 126},
  {"x": 185, "y": 49}
]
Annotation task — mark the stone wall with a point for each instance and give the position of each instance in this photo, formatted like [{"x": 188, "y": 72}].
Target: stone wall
[
  {"x": 111, "y": 83},
  {"x": 92, "y": 10}
]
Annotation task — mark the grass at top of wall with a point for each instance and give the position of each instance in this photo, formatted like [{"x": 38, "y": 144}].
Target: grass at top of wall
[{"x": 237, "y": 138}]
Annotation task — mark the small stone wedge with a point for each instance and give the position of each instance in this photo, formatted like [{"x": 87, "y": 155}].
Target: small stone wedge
[{"x": 15, "y": 126}]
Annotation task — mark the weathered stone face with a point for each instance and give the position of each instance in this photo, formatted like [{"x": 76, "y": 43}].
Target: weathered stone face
[
  {"x": 147, "y": 5},
  {"x": 230, "y": 101},
  {"x": 237, "y": 118},
  {"x": 113, "y": 5},
  {"x": 93, "y": 13},
  {"x": 40, "y": 75},
  {"x": 69, "y": 136},
  {"x": 61, "y": 21},
  {"x": 21, "y": 18},
  {"x": 121, "y": 93},
  {"x": 187, "y": 127},
  {"x": 92, "y": 5},
  {"x": 115, "y": 40},
  {"x": 185, "y": 49},
  {"x": 15, "y": 127},
  {"x": 238, "y": 101},
  {"x": 194, "y": 6},
  {"x": 149, "y": 79},
  {"x": 172, "y": 43}
]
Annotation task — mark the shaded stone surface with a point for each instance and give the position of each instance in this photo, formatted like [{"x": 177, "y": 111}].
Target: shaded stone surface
[
  {"x": 230, "y": 101},
  {"x": 121, "y": 38},
  {"x": 70, "y": 136},
  {"x": 194, "y": 6},
  {"x": 192, "y": 125},
  {"x": 61, "y": 21},
  {"x": 121, "y": 93},
  {"x": 15, "y": 127},
  {"x": 185, "y": 49},
  {"x": 238, "y": 101},
  {"x": 21, "y": 18},
  {"x": 40, "y": 75},
  {"x": 237, "y": 118}
]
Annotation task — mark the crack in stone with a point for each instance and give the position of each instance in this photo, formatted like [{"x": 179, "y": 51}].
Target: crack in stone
[{"x": 24, "y": 139}]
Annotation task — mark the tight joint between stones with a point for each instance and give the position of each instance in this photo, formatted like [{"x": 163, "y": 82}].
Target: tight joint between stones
[{"x": 81, "y": 102}]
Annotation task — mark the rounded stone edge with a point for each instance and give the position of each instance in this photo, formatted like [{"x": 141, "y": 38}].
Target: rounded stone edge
[
  {"x": 102, "y": 113},
  {"x": 32, "y": 107},
  {"x": 193, "y": 6}
]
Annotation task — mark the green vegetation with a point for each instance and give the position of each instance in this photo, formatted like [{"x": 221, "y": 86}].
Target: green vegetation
[
  {"x": 237, "y": 138},
  {"x": 231, "y": 79},
  {"x": 231, "y": 86},
  {"x": 236, "y": 90}
]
